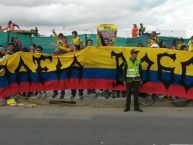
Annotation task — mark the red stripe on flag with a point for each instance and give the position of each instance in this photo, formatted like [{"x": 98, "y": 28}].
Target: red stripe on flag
[{"x": 150, "y": 87}]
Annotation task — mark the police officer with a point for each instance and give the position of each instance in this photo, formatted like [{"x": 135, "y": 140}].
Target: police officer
[{"x": 133, "y": 80}]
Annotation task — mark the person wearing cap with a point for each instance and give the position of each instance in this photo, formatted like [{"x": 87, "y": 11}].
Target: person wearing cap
[
  {"x": 133, "y": 80},
  {"x": 180, "y": 44},
  {"x": 153, "y": 40}
]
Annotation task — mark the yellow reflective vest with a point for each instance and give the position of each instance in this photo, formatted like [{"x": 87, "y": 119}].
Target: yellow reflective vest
[{"x": 133, "y": 69}]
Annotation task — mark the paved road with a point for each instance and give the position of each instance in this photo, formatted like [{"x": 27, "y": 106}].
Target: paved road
[{"x": 54, "y": 125}]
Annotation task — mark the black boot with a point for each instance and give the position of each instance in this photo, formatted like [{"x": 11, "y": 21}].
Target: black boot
[
  {"x": 106, "y": 94},
  {"x": 55, "y": 93},
  {"x": 73, "y": 94},
  {"x": 62, "y": 94},
  {"x": 113, "y": 95}
]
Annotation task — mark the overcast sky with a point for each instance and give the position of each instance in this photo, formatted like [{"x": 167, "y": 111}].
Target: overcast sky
[{"x": 86, "y": 14}]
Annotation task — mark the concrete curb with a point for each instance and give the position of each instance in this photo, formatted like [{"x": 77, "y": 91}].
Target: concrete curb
[
  {"x": 98, "y": 103},
  {"x": 90, "y": 101}
]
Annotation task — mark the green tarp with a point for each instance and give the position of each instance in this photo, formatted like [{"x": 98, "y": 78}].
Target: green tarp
[{"x": 48, "y": 42}]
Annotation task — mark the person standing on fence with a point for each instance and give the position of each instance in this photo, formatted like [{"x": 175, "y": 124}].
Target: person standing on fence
[
  {"x": 141, "y": 30},
  {"x": 11, "y": 26},
  {"x": 133, "y": 80},
  {"x": 134, "y": 31}
]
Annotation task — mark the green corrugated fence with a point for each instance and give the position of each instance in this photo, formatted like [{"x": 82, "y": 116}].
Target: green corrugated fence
[{"x": 48, "y": 42}]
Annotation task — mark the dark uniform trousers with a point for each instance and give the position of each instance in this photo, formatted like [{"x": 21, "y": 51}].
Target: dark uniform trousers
[{"x": 132, "y": 86}]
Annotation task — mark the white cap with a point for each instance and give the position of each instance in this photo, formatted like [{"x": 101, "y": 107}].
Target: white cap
[{"x": 155, "y": 46}]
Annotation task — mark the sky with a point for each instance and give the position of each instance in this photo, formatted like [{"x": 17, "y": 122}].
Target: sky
[{"x": 167, "y": 16}]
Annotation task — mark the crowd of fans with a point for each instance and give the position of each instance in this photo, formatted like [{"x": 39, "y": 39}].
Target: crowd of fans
[
  {"x": 63, "y": 46},
  {"x": 177, "y": 44},
  {"x": 154, "y": 42}
]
